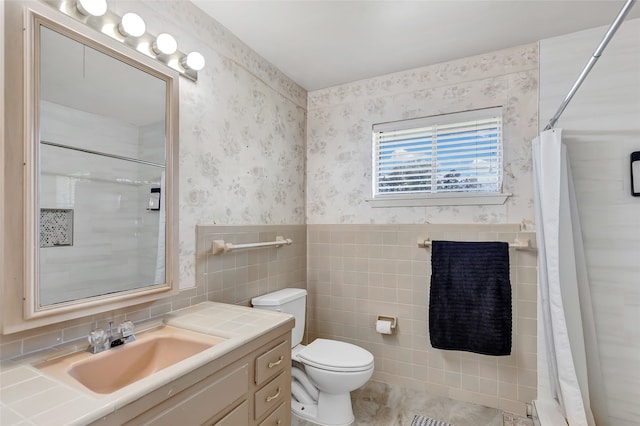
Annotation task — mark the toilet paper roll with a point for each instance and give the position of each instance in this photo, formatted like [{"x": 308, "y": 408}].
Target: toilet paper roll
[{"x": 383, "y": 327}]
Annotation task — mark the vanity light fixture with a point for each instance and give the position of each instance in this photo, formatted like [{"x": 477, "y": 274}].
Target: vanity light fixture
[
  {"x": 131, "y": 25},
  {"x": 193, "y": 61},
  {"x": 165, "y": 44},
  {"x": 92, "y": 7},
  {"x": 164, "y": 47}
]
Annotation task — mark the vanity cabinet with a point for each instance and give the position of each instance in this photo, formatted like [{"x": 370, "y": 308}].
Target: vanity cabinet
[
  {"x": 238, "y": 416},
  {"x": 250, "y": 385}
]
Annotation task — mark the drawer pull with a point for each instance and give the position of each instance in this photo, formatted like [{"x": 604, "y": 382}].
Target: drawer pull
[
  {"x": 271, "y": 398},
  {"x": 273, "y": 364}
]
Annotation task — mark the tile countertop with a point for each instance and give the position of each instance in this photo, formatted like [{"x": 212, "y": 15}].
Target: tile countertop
[{"x": 29, "y": 397}]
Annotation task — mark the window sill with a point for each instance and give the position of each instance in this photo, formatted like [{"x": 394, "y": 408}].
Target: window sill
[{"x": 451, "y": 199}]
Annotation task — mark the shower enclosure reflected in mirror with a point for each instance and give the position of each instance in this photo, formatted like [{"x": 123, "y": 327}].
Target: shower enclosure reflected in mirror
[{"x": 102, "y": 142}]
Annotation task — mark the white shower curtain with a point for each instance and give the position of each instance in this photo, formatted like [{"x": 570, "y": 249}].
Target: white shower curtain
[{"x": 569, "y": 376}]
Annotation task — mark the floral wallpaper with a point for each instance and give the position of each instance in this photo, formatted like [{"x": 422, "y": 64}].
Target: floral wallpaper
[
  {"x": 245, "y": 130},
  {"x": 242, "y": 130},
  {"x": 339, "y": 135}
]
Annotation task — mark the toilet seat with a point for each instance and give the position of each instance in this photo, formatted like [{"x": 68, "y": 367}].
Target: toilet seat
[{"x": 336, "y": 356}]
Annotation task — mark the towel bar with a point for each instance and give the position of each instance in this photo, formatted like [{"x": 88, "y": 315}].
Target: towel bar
[
  {"x": 517, "y": 244},
  {"x": 219, "y": 246}
]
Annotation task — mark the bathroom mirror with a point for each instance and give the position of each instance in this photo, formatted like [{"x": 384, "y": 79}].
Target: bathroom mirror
[{"x": 101, "y": 157}]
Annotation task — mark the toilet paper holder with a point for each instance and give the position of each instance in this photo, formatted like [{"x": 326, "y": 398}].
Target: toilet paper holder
[{"x": 392, "y": 320}]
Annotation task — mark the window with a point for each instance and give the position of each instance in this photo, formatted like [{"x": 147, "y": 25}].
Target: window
[{"x": 442, "y": 156}]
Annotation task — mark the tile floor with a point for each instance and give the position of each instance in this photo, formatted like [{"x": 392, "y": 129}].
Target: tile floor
[{"x": 378, "y": 404}]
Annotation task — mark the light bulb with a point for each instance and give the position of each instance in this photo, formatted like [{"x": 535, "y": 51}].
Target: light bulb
[
  {"x": 92, "y": 7},
  {"x": 165, "y": 43},
  {"x": 193, "y": 61},
  {"x": 131, "y": 25}
]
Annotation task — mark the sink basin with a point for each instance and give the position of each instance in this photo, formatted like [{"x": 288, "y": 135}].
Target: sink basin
[{"x": 116, "y": 368}]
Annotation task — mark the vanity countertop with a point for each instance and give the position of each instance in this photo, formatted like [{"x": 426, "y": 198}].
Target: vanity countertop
[{"x": 29, "y": 397}]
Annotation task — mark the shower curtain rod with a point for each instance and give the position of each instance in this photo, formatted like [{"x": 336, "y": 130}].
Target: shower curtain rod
[
  {"x": 596, "y": 55},
  {"x": 103, "y": 154}
]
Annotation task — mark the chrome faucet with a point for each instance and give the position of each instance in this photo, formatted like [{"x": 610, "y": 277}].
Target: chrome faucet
[
  {"x": 100, "y": 340},
  {"x": 124, "y": 334}
]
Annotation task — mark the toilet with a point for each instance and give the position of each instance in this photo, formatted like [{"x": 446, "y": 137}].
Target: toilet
[{"x": 325, "y": 371}]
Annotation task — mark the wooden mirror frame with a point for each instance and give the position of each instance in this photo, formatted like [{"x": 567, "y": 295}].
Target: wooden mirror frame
[{"x": 19, "y": 298}]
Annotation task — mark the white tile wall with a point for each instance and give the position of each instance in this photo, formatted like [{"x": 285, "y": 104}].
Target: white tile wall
[{"x": 105, "y": 194}]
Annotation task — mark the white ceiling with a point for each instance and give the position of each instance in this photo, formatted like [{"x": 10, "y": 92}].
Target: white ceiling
[{"x": 320, "y": 43}]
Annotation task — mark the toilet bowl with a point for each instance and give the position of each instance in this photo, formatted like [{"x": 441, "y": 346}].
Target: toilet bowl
[{"x": 324, "y": 372}]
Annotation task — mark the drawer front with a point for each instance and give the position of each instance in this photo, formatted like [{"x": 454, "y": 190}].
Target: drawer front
[
  {"x": 272, "y": 362},
  {"x": 196, "y": 405},
  {"x": 280, "y": 417},
  {"x": 239, "y": 416},
  {"x": 272, "y": 395}
]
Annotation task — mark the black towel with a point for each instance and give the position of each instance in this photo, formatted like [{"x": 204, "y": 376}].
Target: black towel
[{"x": 470, "y": 297}]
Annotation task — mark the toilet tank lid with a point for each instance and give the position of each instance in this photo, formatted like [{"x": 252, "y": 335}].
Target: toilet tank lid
[{"x": 279, "y": 297}]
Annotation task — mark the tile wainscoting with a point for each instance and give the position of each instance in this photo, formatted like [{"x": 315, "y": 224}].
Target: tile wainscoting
[
  {"x": 356, "y": 272},
  {"x": 233, "y": 277},
  {"x": 353, "y": 273},
  {"x": 237, "y": 276}
]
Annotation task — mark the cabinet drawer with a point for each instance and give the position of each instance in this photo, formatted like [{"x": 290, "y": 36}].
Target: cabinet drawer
[
  {"x": 272, "y": 394},
  {"x": 272, "y": 362},
  {"x": 239, "y": 416},
  {"x": 199, "y": 403},
  {"x": 280, "y": 417}
]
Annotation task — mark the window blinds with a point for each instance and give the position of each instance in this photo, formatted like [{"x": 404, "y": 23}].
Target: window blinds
[{"x": 459, "y": 152}]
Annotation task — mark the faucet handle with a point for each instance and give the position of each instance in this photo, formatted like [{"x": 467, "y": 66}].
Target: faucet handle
[
  {"x": 126, "y": 328},
  {"x": 97, "y": 338}
]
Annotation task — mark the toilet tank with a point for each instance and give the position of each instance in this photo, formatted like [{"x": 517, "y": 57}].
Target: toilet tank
[{"x": 290, "y": 301}]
